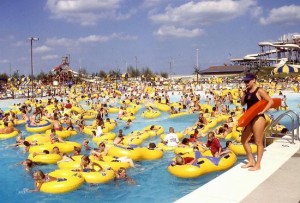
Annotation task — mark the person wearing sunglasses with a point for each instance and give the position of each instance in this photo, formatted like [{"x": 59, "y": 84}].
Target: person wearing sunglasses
[{"x": 256, "y": 127}]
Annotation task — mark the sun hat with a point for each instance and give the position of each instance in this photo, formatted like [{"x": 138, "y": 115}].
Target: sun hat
[{"x": 249, "y": 76}]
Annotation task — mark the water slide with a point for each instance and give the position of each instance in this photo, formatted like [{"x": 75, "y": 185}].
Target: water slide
[{"x": 281, "y": 63}]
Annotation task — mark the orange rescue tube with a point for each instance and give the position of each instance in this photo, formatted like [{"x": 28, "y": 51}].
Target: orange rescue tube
[{"x": 247, "y": 117}]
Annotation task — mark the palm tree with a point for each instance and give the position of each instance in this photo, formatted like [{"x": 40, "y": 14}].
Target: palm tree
[
  {"x": 102, "y": 74},
  {"x": 41, "y": 76},
  {"x": 137, "y": 73},
  {"x": 82, "y": 73},
  {"x": 197, "y": 72},
  {"x": 164, "y": 74},
  {"x": 115, "y": 74},
  {"x": 3, "y": 76},
  {"x": 16, "y": 74},
  {"x": 133, "y": 72},
  {"x": 147, "y": 73}
]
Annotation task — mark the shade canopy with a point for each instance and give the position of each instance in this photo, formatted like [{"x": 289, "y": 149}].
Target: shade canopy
[
  {"x": 285, "y": 69},
  {"x": 125, "y": 75}
]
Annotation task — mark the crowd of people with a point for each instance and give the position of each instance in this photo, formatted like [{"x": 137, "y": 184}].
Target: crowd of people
[{"x": 248, "y": 94}]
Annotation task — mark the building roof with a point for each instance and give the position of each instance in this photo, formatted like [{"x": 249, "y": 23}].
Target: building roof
[{"x": 224, "y": 69}]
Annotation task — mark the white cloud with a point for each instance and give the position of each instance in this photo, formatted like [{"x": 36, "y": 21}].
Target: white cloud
[
  {"x": 61, "y": 42},
  {"x": 4, "y": 61},
  {"x": 67, "y": 42},
  {"x": 102, "y": 38},
  {"x": 19, "y": 43},
  {"x": 152, "y": 3},
  {"x": 256, "y": 11},
  {"x": 203, "y": 12},
  {"x": 49, "y": 57},
  {"x": 172, "y": 31},
  {"x": 41, "y": 49},
  {"x": 82, "y": 5},
  {"x": 122, "y": 36},
  {"x": 87, "y": 12},
  {"x": 283, "y": 15},
  {"x": 94, "y": 38}
]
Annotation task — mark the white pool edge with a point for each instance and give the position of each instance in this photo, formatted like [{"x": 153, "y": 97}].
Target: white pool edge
[{"x": 235, "y": 184}]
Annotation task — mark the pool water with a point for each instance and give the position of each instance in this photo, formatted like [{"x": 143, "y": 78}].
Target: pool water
[
  {"x": 154, "y": 182},
  {"x": 293, "y": 99}
]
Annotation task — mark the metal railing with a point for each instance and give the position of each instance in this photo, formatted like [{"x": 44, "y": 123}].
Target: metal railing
[{"x": 295, "y": 126}]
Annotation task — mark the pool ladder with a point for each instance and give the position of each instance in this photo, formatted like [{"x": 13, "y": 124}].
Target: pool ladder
[{"x": 290, "y": 136}]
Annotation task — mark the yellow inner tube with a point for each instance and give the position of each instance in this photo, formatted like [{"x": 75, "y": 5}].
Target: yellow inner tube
[
  {"x": 71, "y": 181},
  {"x": 41, "y": 127},
  {"x": 9, "y": 135}
]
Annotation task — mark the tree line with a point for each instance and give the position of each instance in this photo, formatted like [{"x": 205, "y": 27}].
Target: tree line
[{"x": 145, "y": 73}]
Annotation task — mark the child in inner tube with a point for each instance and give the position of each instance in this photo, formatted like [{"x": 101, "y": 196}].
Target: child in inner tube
[
  {"x": 40, "y": 178},
  {"x": 150, "y": 109},
  {"x": 27, "y": 164},
  {"x": 152, "y": 128},
  {"x": 119, "y": 139},
  {"x": 8, "y": 129},
  {"x": 86, "y": 145},
  {"x": 152, "y": 146},
  {"x": 80, "y": 123},
  {"x": 27, "y": 146},
  {"x": 179, "y": 160},
  {"x": 213, "y": 144},
  {"x": 54, "y": 137},
  {"x": 121, "y": 174},
  {"x": 226, "y": 149},
  {"x": 86, "y": 165},
  {"x": 98, "y": 154},
  {"x": 128, "y": 124}
]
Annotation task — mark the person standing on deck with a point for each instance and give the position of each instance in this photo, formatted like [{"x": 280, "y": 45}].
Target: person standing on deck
[{"x": 256, "y": 127}]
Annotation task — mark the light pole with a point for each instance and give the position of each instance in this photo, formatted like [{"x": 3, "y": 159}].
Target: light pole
[
  {"x": 197, "y": 58},
  {"x": 31, "y": 61},
  {"x": 197, "y": 65}
]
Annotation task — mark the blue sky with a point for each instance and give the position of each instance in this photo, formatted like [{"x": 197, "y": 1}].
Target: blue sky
[{"x": 110, "y": 34}]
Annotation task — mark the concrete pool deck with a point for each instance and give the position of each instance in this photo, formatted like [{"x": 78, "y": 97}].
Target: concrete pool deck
[{"x": 277, "y": 181}]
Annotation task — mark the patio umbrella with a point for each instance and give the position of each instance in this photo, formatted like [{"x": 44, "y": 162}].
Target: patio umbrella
[
  {"x": 12, "y": 79},
  {"x": 285, "y": 69},
  {"x": 125, "y": 75}
]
